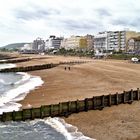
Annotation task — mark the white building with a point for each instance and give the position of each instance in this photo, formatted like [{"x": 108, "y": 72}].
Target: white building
[
  {"x": 116, "y": 40},
  {"x": 113, "y": 40},
  {"x": 53, "y": 42},
  {"x": 100, "y": 42},
  {"x": 71, "y": 43},
  {"x": 78, "y": 42}
]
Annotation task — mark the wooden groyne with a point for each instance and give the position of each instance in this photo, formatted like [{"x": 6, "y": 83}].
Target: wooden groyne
[
  {"x": 40, "y": 67},
  {"x": 29, "y": 68},
  {"x": 15, "y": 60},
  {"x": 67, "y": 108},
  {"x": 73, "y": 62}
]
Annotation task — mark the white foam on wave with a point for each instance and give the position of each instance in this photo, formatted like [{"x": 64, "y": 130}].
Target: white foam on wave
[
  {"x": 69, "y": 131},
  {"x": 3, "y": 66},
  {"x": 25, "y": 77},
  {"x": 10, "y": 106},
  {"x": 19, "y": 92},
  {"x": 3, "y": 60}
]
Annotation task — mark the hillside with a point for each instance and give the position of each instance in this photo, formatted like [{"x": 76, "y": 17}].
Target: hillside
[{"x": 14, "y": 46}]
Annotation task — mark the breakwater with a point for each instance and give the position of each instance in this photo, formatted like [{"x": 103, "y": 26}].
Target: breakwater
[
  {"x": 40, "y": 67},
  {"x": 15, "y": 60},
  {"x": 73, "y": 62},
  {"x": 29, "y": 68},
  {"x": 70, "y": 107}
]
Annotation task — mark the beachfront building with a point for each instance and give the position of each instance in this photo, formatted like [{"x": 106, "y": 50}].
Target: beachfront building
[
  {"x": 64, "y": 44},
  {"x": 78, "y": 42},
  {"x": 90, "y": 41},
  {"x": 113, "y": 40},
  {"x": 134, "y": 45},
  {"x": 129, "y": 35},
  {"x": 53, "y": 42},
  {"x": 100, "y": 42},
  {"x": 72, "y": 42},
  {"x": 38, "y": 44},
  {"x": 116, "y": 41}
]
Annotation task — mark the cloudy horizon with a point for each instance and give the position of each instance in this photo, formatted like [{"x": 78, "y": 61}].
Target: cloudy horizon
[{"x": 25, "y": 20}]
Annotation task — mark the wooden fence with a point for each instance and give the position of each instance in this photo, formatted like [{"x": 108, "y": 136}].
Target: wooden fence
[
  {"x": 15, "y": 60},
  {"x": 29, "y": 68},
  {"x": 39, "y": 67},
  {"x": 73, "y": 62},
  {"x": 67, "y": 108}
]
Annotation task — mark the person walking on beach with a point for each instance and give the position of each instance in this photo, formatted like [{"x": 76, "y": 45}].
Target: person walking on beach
[
  {"x": 69, "y": 68},
  {"x": 65, "y": 68}
]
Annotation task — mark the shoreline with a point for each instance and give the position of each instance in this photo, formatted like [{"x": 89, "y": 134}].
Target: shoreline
[
  {"x": 18, "y": 91},
  {"x": 88, "y": 80}
]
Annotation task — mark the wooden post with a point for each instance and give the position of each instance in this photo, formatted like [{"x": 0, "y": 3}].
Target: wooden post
[
  {"x": 77, "y": 106},
  {"x": 86, "y": 104},
  {"x": 4, "y": 117},
  {"x": 60, "y": 108},
  {"x": 32, "y": 113},
  {"x": 51, "y": 65},
  {"x": 13, "y": 115},
  {"x": 138, "y": 94},
  {"x": 23, "y": 115},
  {"x": 117, "y": 99},
  {"x": 103, "y": 100},
  {"x": 51, "y": 111},
  {"x": 109, "y": 103},
  {"x": 93, "y": 102},
  {"x": 41, "y": 112},
  {"x": 124, "y": 97},
  {"x": 69, "y": 106},
  {"x": 131, "y": 95}
]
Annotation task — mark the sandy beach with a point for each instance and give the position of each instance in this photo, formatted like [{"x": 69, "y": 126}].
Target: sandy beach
[{"x": 87, "y": 80}]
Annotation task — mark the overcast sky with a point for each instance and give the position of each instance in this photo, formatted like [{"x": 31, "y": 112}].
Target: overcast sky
[{"x": 25, "y": 20}]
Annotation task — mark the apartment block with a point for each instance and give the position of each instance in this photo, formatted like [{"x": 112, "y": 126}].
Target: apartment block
[
  {"x": 101, "y": 41},
  {"x": 78, "y": 42},
  {"x": 53, "y": 42},
  {"x": 113, "y": 40},
  {"x": 38, "y": 44},
  {"x": 90, "y": 41},
  {"x": 134, "y": 45}
]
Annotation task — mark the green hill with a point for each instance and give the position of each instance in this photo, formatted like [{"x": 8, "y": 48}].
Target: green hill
[{"x": 14, "y": 46}]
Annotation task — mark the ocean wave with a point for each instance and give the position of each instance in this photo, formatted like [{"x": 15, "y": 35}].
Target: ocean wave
[
  {"x": 69, "y": 131},
  {"x": 44, "y": 129},
  {"x": 3, "y": 66},
  {"x": 4, "y": 82},
  {"x": 20, "y": 89}
]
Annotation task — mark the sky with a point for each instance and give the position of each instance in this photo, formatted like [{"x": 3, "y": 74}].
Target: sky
[{"x": 25, "y": 20}]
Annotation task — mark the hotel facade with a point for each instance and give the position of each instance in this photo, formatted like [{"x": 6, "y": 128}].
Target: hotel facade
[{"x": 113, "y": 40}]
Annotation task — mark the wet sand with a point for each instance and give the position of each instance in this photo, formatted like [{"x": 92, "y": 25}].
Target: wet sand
[{"x": 87, "y": 80}]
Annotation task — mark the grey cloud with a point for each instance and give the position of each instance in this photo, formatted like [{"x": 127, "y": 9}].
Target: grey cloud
[
  {"x": 119, "y": 21},
  {"x": 103, "y": 12},
  {"x": 37, "y": 13},
  {"x": 80, "y": 24},
  {"x": 133, "y": 22}
]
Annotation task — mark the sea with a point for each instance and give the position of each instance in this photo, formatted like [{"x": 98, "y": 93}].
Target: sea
[{"x": 14, "y": 87}]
